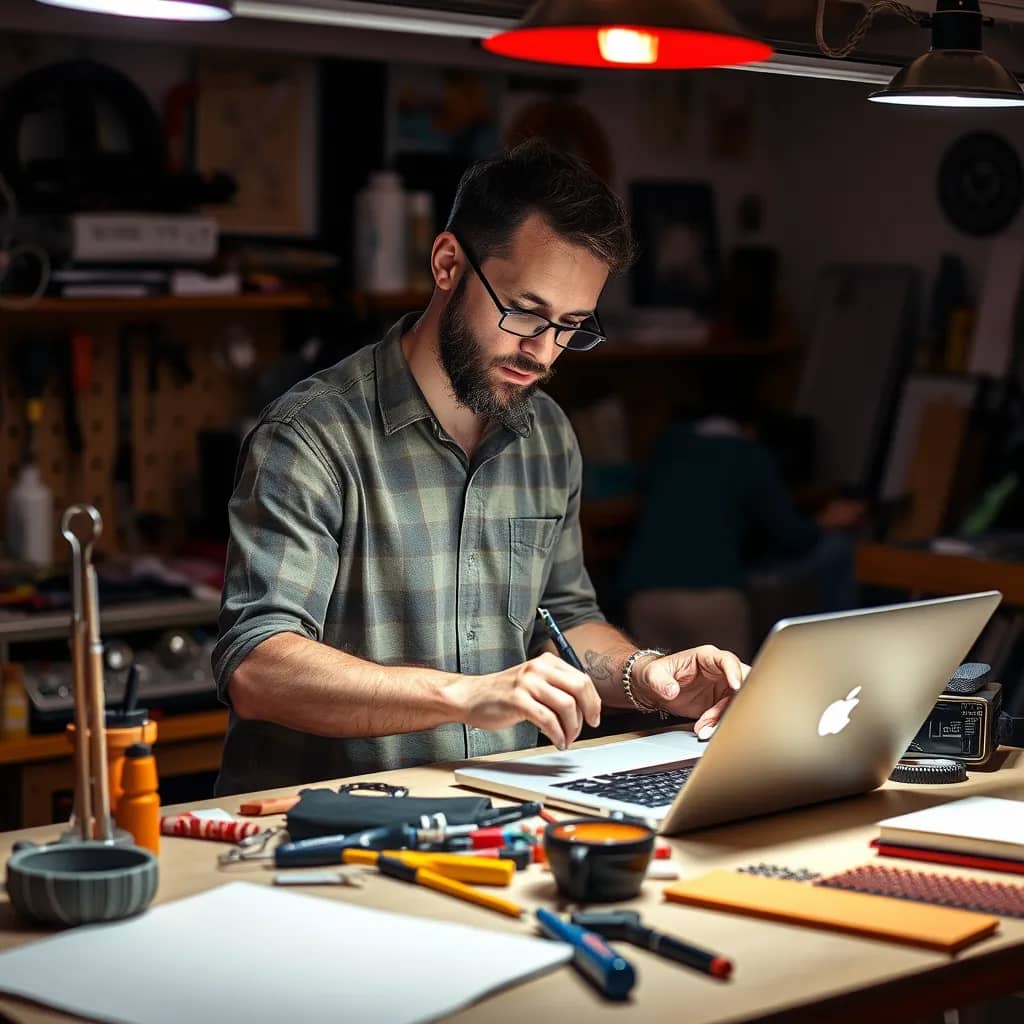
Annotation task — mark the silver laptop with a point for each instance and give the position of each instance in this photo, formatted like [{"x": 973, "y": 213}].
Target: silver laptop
[{"x": 830, "y": 705}]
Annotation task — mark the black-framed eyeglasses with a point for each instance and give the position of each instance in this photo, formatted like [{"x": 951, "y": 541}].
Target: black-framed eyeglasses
[{"x": 587, "y": 335}]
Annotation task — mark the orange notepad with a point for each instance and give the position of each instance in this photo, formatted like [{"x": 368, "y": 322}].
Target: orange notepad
[{"x": 880, "y": 917}]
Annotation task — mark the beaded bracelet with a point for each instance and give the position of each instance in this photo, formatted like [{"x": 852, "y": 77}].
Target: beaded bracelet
[{"x": 627, "y": 682}]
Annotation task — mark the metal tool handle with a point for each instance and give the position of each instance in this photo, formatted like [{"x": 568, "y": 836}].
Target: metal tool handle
[
  {"x": 102, "y": 825},
  {"x": 79, "y": 519},
  {"x": 81, "y": 526}
]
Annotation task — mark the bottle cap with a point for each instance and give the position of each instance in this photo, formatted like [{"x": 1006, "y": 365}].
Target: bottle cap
[
  {"x": 117, "y": 719},
  {"x": 385, "y": 179},
  {"x": 139, "y": 750}
]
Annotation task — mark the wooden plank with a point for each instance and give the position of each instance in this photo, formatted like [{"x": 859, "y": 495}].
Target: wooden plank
[
  {"x": 927, "y": 572},
  {"x": 176, "y": 729},
  {"x": 932, "y": 472}
]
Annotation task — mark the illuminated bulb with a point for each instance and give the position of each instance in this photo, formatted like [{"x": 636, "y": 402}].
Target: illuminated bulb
[
  {"x": 170, "y": 10},
  {"x": 627, "y": 46}
]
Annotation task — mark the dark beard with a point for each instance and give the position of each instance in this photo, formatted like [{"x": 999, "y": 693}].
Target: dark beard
[{"x": 462, "y": 358}]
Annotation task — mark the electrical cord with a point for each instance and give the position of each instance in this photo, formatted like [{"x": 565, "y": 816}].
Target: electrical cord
[
  {"x": 856, "y": 37},
  {"x": 11, "y": 252}
]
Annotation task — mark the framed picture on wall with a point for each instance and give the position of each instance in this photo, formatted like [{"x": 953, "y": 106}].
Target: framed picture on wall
[
  {"x": 256, "y": 121},
  {"x": 679, "y": 262}
]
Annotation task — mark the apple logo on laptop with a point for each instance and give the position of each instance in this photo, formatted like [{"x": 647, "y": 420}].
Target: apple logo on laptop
[{"x": 836, "y": 717}]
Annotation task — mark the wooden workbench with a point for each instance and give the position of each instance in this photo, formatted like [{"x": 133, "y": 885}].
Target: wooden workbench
[{"x": 783, "y": 972}]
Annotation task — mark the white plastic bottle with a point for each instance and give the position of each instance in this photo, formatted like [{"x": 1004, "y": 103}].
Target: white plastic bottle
[
  {"x": 30, "y": 518},
  {"x": 381, "y": 260}
]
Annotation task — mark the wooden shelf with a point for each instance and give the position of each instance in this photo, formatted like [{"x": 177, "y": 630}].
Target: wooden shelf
[
  {"x": 174, "y": 729},
  {"x": 246, "y": 302},
  {"x": 924, "y": 572},
  {"x": 17, "y": 627}
]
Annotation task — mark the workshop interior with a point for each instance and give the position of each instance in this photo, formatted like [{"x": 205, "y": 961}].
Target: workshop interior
[{"x": 802, "y": 439}]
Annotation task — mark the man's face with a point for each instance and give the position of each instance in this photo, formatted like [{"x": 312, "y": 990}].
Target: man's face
[{"x": 494, "y": 373}]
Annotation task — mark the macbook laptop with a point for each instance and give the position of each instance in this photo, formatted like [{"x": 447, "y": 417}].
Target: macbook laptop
[{"x": 830, "y": 705}]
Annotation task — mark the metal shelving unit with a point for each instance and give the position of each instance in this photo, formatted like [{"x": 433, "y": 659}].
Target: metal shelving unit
[{"x": 22, "y": 627}]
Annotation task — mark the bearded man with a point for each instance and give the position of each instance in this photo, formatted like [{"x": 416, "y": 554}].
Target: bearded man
[{"x": 399, "y": 517}]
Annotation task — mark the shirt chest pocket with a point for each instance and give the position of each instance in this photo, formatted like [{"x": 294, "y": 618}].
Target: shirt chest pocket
[{"x": 530, "y": 542}]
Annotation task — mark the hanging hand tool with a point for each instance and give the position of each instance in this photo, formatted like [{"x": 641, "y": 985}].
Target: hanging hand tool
[
  {"x": 77, "y": 376},
  {"x": 161, "y": 349},
  {"x": 32, "y": 361},
  {"x": 124, "y": 459}
]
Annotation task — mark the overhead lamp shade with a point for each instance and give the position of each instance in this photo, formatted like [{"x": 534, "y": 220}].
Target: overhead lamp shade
[
  {"x": 657, "y": 34},
  {"x": 954, "y": 72},
  {"x": 953, "y": 78},
  {"x": 169, "y": 10}
]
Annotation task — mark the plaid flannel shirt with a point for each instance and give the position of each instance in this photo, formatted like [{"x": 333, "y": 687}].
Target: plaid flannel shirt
[{"x": 358, "y": 522}]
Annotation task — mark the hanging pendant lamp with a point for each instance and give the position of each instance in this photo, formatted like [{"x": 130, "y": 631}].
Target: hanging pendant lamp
[
  {"x": 657, "y": 34},
  {"x": 954, "y": 72},
  {"x": 169, "y": 10}
]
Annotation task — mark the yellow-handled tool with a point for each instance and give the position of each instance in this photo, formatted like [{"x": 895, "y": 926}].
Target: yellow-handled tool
[{"x": 475, "y": 870}]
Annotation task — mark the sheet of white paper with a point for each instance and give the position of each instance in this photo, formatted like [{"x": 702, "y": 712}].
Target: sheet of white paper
[
  {"x": 245, "y": 952},
  {"x": 213, "y": 814}
]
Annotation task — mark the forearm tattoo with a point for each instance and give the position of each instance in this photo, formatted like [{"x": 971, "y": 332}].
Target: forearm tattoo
[{"x": 600, "y": 667}]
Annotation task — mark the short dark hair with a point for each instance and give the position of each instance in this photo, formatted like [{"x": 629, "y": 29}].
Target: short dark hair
[{"x": 495, "y": 196}]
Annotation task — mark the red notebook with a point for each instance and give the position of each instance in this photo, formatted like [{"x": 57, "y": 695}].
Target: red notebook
[{"x": 964, "y": 860}]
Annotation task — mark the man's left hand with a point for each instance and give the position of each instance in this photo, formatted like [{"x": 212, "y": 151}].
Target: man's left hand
[{"x": 697, "y": 683}]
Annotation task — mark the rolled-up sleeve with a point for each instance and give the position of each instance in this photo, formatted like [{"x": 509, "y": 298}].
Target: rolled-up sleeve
[
  {"x": 282, "y": 557},
  {"x": 568, "y": 593}
]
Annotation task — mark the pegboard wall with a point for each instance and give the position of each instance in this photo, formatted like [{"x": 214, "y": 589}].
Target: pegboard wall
[{"x": 162, "y": 423}]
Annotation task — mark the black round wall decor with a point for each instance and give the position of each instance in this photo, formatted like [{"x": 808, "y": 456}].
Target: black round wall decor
[{"x": 981, "y": 183}]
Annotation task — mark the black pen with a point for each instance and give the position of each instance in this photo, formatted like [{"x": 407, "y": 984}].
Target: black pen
[
  {"x": 563, "y": 645},
  {"x": 507, "y": 815},
  {"x": 625, "y": 925}
]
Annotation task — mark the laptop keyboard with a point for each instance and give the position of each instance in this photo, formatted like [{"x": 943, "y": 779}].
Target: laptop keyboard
[{"x": 649, "y": 787}]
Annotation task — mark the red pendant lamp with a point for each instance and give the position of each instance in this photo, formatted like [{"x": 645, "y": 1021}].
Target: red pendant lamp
[{"x": 655, "y": 34}]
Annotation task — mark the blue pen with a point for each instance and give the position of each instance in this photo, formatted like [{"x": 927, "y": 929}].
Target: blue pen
[
  {"x": 563, "y": 645},
  {"x": 591, "y": 955}
]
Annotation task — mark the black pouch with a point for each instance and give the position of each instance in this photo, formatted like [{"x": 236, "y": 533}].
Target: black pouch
[{"x": 322, "y": 812}]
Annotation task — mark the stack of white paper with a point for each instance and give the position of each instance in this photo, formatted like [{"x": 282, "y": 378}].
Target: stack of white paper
[{"x": 245, "y": 952}]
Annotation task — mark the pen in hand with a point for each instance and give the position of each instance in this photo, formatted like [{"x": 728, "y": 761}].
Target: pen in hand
[{"x": 563, "y": 645}]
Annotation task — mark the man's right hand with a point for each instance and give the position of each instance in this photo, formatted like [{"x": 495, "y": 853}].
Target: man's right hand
[{"x": 544, "y": 690}]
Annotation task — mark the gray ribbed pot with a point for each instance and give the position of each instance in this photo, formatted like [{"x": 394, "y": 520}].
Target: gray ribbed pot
[{"x": 82, "y": 882}]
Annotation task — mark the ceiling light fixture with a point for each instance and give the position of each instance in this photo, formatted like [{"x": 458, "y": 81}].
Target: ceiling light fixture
[
  {"x": 953, "y": 73},
  {"x": 169, "y": 10},
  {"x": 629, "y": 34},
  {"x": 375, "y": 17}
]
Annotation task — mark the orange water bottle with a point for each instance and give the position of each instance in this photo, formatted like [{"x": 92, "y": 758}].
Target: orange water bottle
[{"x": 138, "y": 810}]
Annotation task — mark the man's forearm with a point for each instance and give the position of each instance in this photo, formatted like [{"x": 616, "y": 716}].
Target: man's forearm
[
  {"x": 603, "y": 649},
  {"x": 299, "y": 683}
]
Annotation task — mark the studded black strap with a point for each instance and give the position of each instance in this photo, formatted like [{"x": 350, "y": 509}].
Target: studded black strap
[{"x": 929, "y": 771}]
